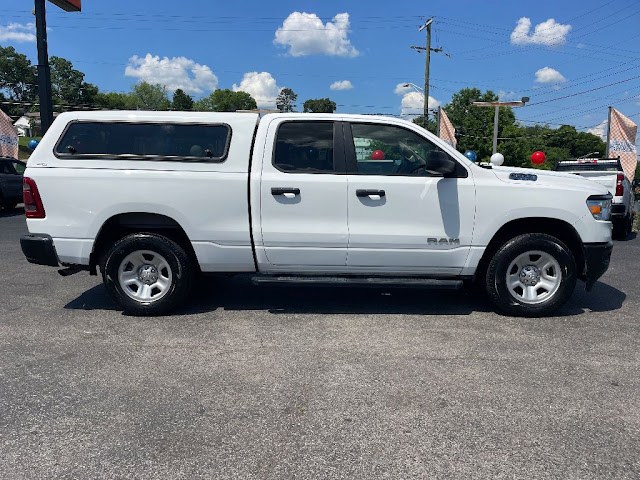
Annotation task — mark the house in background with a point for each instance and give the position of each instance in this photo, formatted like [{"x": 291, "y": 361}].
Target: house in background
[
  {"x": 23, "y": 126},
  {"x": 28, "y": 125}
]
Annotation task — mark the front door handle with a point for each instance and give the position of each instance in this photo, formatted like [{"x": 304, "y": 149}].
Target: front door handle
[
  {"x": 286, "y": 192},
  {"x": 372, "y": 194}
]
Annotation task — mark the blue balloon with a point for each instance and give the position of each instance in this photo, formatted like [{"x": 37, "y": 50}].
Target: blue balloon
[
  {"x": 471, "y": 155},
  {"x": 33, "y": 143}
]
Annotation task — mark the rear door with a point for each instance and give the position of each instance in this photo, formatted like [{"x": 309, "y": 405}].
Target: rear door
[
  {"x": 303, "y": 197},
  {"x": 403, "y": 218}
]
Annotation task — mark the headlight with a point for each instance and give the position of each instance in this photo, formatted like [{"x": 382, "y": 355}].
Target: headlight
[{"x": 600, "y": 206}]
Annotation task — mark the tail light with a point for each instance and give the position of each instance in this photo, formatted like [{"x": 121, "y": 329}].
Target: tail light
[
  {"x": 619, "y": 186},
  {"x": 33, "y": 207}
]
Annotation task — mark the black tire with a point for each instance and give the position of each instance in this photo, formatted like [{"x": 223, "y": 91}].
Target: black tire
[
  {"x": 177, "y": 269},
  {"x": 545, "y": 300}
]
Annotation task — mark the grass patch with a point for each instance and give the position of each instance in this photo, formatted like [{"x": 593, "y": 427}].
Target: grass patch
[{"x": 23, "y": 147}]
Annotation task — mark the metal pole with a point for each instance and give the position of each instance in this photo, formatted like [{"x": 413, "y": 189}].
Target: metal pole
[
  {"x": 438, "y": 122},
  {"x": 426, "y": 76},
  {"x": 44, "y": 73},
  {"x": 606, "y": 155},
  {"x": 495, "y": 130}
]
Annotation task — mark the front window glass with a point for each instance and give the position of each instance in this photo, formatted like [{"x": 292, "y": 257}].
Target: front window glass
[
  {"x": 20, "y": 168},
  {"x": 390, "y": 150}
]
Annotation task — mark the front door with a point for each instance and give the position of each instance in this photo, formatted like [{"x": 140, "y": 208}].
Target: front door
[
  {"x": 303, "y": 195},
  {"x": 402, "y": 217}
]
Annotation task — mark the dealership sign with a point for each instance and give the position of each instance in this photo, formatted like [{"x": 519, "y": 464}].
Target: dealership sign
[{"x": 68, "y": 5}]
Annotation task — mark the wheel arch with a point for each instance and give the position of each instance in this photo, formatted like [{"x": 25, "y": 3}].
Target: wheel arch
[
  {"x": 123, "y": 224},
  {"x": 559, "y": 229}
]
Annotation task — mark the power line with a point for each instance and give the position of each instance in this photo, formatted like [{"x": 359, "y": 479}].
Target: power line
[{"x": 583, "y": 92}]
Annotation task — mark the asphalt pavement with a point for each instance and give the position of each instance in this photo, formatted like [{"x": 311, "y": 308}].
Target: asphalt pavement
[{"x": 251, "y": 382}]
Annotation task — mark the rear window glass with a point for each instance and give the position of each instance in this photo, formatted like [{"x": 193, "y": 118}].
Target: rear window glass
[
  {"x": 305, "y": 147},
  {"x": 173, "y": 141}
]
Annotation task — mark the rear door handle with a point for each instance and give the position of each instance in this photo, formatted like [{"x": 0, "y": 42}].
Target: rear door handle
[
  {"x": 373, "y": 194},
  {"x": 286, "y": 192}
]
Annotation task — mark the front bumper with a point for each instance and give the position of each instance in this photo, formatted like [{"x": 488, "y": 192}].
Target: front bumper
[
  {"x": 596, "y": 261},
  {"x": 39, "y": 249}
]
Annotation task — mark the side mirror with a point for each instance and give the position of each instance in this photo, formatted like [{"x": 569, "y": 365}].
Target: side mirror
[{"x": 440, "y": 163}]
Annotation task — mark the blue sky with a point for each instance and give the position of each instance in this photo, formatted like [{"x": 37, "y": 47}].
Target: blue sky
[{"x": 545, "y": 50}]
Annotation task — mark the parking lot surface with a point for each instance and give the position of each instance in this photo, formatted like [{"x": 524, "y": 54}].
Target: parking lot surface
[{"x": 301, "y": 382}]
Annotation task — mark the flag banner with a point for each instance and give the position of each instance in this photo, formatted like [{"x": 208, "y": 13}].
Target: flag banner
[
  {"x": 8, "y": 137},
  {"x": 446, "y": 129},
  {"x": 622, "y": 142}
]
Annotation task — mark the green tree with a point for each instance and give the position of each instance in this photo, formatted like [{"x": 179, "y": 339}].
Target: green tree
[
  {"x": 181, "y": 101},
  {"x": 285, "y": 98},
  {"x": 113, "y": 101},
  {"x": 557, "y": 144},
  {"x": 431, "y": 124},
  {"x": 226, "y": 101},
  {"x": 68, "y": 86},
  {"x": 319, "y": 105},
  {"x": 147, "y": 96},
  {"x": 17, "y": 79},
  {"x": 474, "y": 125}
]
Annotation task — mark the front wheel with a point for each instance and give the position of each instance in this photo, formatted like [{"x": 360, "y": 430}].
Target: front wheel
[
  {"x": 147, "y": 274},
  {"x": 531, "y": 275}
]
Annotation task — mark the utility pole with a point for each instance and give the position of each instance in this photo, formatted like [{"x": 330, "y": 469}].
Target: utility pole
[
  {"x": 44, "y": 73},
  {"x": 427, "y": 49}
]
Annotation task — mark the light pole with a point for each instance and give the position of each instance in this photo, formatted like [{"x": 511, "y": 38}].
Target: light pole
[
  {"x": 416, "y": 87},
  {"x": 497, "y": 106}
]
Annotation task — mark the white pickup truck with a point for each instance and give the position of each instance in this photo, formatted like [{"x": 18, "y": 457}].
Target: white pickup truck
[
  {"x": 607, "y": 172},
  {"x": 154, "y": 199}
]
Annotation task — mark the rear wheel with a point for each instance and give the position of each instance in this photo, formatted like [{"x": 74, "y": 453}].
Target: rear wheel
[
  {"x": 147, "y": 274},
  {"x": 531, "y": 275}
]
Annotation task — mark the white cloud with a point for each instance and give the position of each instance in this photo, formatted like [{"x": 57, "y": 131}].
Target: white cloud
[
  {"x": 174, "y": 73},
  {"x": 261, "y": 86},
  {"x": 413, "y": 104},
  {"x": 508, "y": 96},
  {"x": 547, "y": 33},
  {"x": 305, "y": 34},
  {"x": 341, "y": 85},
  {"x": 599, "y": 130},
  {"x": 549, "y": 75},
  {"x": 403, "y": 88},
  {"x": 18, "y": 32}
]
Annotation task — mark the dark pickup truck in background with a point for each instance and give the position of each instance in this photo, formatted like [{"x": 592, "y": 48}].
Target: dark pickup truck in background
[{"x": 11, "y": 171}]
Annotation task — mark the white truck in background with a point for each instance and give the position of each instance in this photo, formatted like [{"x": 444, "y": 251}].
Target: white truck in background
[
  {"x": 154, "y": 199},
  {"x": 607, "y": 172}
]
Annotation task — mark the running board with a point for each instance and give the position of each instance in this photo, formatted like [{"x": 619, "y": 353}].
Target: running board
[{"x": 321, "y": 280}]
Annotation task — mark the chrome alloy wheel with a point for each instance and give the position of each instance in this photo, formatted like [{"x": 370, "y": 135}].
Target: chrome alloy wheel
[
  {"x": 145, "y": 276},
  {"x": 534, "y": 277}
]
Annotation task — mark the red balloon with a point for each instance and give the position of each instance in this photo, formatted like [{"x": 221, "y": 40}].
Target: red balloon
[
  {"x": 377, "y": 155},
  {"x": 538, "y": 158}
]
